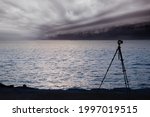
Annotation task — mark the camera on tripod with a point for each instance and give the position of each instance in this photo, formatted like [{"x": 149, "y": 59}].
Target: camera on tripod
[
  {"x": 120, "y": 42},
  {"x": 122, "y": 63}
]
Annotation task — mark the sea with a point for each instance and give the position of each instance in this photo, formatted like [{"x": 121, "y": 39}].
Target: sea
[{"x": 65, "y": 64}]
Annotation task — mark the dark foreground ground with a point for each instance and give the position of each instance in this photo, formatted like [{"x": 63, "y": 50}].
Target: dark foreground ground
[{"x": 26, "y": 93}]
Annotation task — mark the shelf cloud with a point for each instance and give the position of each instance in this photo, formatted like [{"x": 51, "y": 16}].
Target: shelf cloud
[{"x": 41, "y": 18}]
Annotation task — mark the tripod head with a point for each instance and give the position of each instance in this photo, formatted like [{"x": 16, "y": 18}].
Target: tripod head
[{"x": 120, "y": 42}]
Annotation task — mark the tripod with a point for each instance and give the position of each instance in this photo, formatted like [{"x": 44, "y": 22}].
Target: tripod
[{"x": 122, "y": 63}]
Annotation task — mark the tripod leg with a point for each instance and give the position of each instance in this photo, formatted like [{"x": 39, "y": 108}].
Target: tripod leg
[
  {"x": 123, "y": 69},
  {"x": 108, "y": 68}
]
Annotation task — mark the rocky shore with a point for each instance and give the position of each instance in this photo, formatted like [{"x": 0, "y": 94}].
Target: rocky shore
[{"x": 26, "y": 93}]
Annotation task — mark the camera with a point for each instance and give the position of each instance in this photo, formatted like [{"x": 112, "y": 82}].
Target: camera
[{"x": 120, "y": 42}]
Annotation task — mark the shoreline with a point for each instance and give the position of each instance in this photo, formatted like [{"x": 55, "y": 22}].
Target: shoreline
[{"x": 27, "y": 93}]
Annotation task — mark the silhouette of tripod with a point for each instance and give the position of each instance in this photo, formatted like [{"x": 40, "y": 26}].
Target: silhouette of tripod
[{"x": 120, "y": 57}]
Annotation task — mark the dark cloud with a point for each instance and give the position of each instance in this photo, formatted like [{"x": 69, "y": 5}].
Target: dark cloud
[{"x": 50, "y": 17}]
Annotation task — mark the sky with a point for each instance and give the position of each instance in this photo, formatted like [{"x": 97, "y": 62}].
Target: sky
[{"x": 44, "y": 18}]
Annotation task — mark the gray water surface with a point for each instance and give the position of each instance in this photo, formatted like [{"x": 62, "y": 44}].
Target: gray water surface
[{"x": 73, "y": 64}]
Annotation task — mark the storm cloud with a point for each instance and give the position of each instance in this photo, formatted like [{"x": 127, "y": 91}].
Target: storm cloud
[{"x": 41, "y": 18}]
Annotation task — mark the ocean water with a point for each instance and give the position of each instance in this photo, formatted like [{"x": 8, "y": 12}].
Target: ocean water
[{"x": 64, "y": 64}]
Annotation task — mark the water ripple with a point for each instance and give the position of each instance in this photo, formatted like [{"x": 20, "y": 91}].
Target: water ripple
[{"x": 71, "y": 64}]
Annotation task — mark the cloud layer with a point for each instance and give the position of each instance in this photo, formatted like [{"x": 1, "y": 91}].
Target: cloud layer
[{"x": 50, "y": 17}]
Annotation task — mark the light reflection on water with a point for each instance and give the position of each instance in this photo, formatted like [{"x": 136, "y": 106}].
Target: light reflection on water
[{"x": 68, "y": 64}]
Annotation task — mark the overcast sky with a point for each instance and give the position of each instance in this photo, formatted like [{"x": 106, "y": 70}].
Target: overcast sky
[{"x": 35, "y": 18}]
